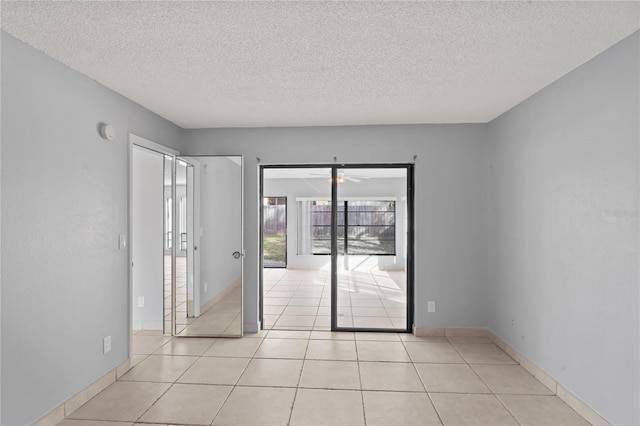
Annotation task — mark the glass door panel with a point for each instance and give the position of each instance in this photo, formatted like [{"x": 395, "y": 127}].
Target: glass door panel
[{"x": 371, "y": 248}]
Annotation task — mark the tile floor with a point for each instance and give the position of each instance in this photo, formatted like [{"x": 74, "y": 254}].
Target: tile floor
[
  {"x": 299, "y": 299},
  {"x": 323, "y": 378}
]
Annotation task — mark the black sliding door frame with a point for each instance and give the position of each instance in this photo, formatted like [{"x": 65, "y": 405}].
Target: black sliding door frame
[{"x": 410, "y": 238}]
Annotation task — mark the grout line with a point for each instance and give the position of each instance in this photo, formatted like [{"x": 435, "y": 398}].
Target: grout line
[
  {"x": 423, "y": 385},
  {"x": 364, "y": 413},
  {"x": 485, "y": 383},
  {"x": 295, "y": 395}
]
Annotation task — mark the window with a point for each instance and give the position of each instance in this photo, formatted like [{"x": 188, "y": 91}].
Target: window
[{"x": 364, "y": 227}]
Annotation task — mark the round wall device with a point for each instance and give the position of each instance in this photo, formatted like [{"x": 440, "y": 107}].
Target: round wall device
[{"x": 108, "y": 132}]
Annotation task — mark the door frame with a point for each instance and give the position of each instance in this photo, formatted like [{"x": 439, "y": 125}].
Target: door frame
[
  {"x": 195, "y": 237},
  {"x": 410, "y": 238},
  {"x": 135, "y": 140}
]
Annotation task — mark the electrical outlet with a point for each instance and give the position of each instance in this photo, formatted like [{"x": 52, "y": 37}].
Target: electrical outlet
[
  {"x": 106, "y": 344},
  {"x": 205, "y": 287},
  {"x": 122, "y": 242},
  {"x": 141, "y": 302},
  {"x": 431, "y": 306}
]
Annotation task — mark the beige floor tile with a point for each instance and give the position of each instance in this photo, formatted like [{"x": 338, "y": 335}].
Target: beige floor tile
[
  {"x": 269, "y": 321},
  {"x": 256, "y": 406},
  {"x": 261, "y": 334},
  {"x": 382, "y": 351},
  {"x": 510, "y": 379},
  {"x": 300, "y": 310},
  {"x": 304, "y": 301},
  {"x": 237, "y": 348},
  {"x": 215, "y": 371},
  {"x": 282, "y": 348},
  {"x": 272, "y": 372},
  {"x": 330, "y": 375},
  {"x": 541, "y": 410},
  {"x": 288, "y": 334},
  {"x": 332, "y": 335},
  {"x": 390, "y": 376},
  {"x": 277, "y": 293},
  {"x": 186, "y": 346},
  {"x": 137, "y": 359},
  {"x": 359, "y": 311},
  {"x": 273, "y": 309},
  {"x": 482, "y": 353},
  {"x": 408, "y": 337},
  {"x": 71, "y": 422},
  {"x": 122, "y": 401},
  {"x": 276, "y": 301},
  {"x": 295, "y": 320},
  {"x": 335, "y": 350},
  {"x": 398, "y": 408},
  {"x": 148, "y": 344},
  {"x": 442, "y": 353},
  {"x": 397, "y": 312},
  {"x": 457, "y": 378},
  {"x": 327, "y": 407},
  {"x": 372, "y": 322},
  {"x": 160, "y": 368},
  {"x": 366, "y": 302},
  {"x": 324, "y": 310},
  {"x": 322, "y": 320},
  {"x": 469, "y": 339},
  {"x": 473, "y": 410},
  {"x": 379, "y": 337},
  {"x": 188, "y": 404}
]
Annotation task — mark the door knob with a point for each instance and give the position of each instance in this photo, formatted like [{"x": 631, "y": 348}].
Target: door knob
[{"x": 236, "y": 255}]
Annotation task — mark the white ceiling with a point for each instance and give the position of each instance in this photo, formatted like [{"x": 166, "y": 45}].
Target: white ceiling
[{"x": 246, "y": 64}]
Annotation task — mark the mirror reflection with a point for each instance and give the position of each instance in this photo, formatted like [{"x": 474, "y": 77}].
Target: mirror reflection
[
  {"x": 167, "y": 214},
  {"x": 208, "y": 222}
]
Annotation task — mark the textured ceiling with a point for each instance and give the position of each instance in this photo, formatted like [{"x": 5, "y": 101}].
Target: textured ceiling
[{"x": 246, "y": 64}]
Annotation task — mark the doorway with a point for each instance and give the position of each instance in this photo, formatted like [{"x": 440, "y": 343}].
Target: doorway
[
  {"x": 184, "y": 210},
  {"x": 349, "y": 246}
]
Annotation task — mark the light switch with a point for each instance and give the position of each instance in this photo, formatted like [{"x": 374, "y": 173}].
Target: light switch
[
  {"x": 122, "y": 242},
  {"x": 106, "y": 345}
]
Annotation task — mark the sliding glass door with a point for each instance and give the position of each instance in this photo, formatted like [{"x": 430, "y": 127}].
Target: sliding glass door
[
  {"x": 350, "y": 247},
  {"x": 371, "y": 226}
]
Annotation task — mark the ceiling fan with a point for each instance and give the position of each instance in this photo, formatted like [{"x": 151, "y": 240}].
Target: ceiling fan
[{"x": 342, "y": 177}]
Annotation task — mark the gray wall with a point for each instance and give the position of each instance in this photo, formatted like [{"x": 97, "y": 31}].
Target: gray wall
[
  {"x": 563, "y": 183},
  {"x": 449, "y": 201},
  {"x": 65, "y": 197}
]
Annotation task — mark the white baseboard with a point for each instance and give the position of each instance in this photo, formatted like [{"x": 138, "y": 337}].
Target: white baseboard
[
  {"x": 59, "y": 413},
  {"x": 545, "y": 378},
  {"x": 215, "y": 299}
]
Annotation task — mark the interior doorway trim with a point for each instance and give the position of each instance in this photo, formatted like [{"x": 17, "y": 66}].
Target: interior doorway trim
[{"x": 135, "y": 140}]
